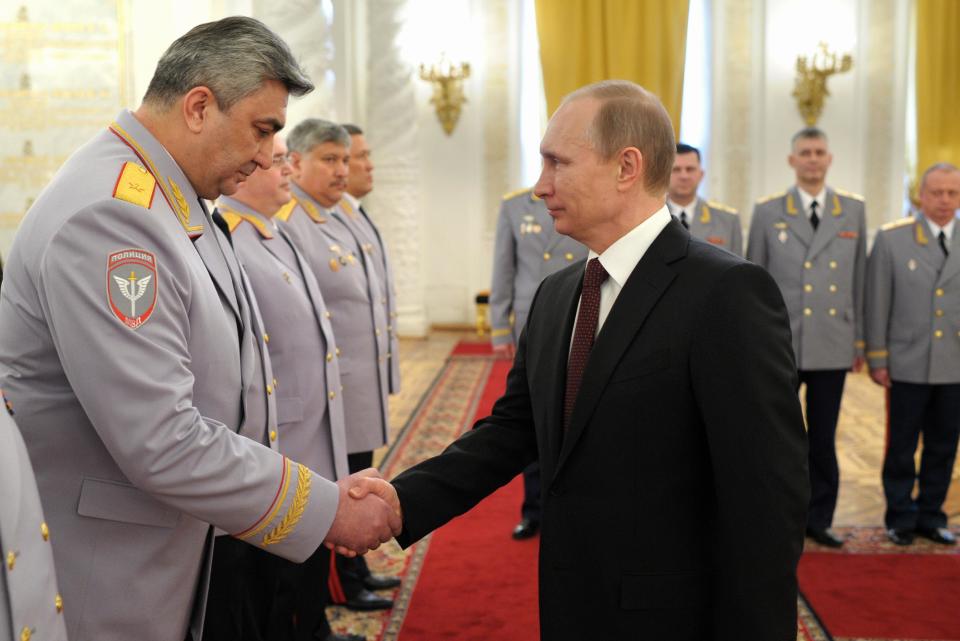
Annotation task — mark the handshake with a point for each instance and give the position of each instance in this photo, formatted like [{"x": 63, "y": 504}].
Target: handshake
[{"x": 368, "y": 514}]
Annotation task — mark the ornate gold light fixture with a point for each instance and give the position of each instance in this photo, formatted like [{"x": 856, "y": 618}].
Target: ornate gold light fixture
[
  {"x": 447, "y": 80},
  {"x": 810, "y": 87}
]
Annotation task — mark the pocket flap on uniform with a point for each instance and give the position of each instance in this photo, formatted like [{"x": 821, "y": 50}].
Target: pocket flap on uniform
[
  {"x": 115, "y": 501},
  {"x": 289, "y": 410},
  {"x": 662, "y": 591}
]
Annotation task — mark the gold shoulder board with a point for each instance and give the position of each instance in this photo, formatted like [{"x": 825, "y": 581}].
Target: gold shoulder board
[
  {"x": 284, "y": 212},
  {"x": 896, "y": 224},
  {"x": 232, "y": 218},
  {"x": 135, "y": 185},
  {"x": 715, "y": 205},
  {"x": 518, "y": 192},
  {"x": 849, "y": 194},
  {"x": 779, "y": 194}
]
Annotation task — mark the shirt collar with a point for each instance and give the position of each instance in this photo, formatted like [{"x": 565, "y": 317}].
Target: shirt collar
[
  {"x": 806, "y": 199},
  {"x": 675, "y": 209},
  {"x": 946, "y": 229},
  {"x": 621, "y": 258},
  {"x": 354, "y": 202}
]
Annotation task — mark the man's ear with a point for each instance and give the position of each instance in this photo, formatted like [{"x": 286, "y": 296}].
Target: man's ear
[
  {"x": 196, "y": 105},
  {"x": 295, "y": 159},
  {"x": 630, "y": 168}
]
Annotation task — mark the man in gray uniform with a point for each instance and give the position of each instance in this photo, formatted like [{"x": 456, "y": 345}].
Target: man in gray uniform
[
  {"x": 913, "y": 348},
  {"x": 812, "y": 241},
  {"x": 526, "y": 250},
  {"x": 310, "y": 426},
  {"x": 30, "y": 603},
  {"x": 320, "y": 156},
  {"x": 127, "y": 347},
  {"x": 711, "y": 221}
]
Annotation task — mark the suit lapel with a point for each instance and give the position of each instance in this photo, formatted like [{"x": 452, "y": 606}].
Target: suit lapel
[
  {"x": 649, "y": 280},
  {"x": 796, "y": 218},
  {"x": 952, "y": 267},
  {"x": 215, "y": 261},
  {"x": 830, "y": 223}
]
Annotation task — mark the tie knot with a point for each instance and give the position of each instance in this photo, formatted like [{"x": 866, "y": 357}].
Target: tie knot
[
  {"x": 595, "y": 275},
  {"x": 813, "y": 206}
]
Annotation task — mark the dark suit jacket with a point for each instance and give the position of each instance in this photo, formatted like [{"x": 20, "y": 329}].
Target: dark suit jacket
[{"x": 674, "y": 508}]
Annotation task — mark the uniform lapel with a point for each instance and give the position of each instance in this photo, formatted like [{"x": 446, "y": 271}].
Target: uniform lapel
[
  {"x": 927, "y": 247},
  {"x": 796, "y": 218},
  {"x": 209, "y": 248},
  {"x": 952, "y": 267},
  {"x": 649, "y": 280},
  {"x": 830, "y": 223}
]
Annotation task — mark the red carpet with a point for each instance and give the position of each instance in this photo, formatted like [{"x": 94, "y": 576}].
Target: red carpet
[
  {"x": 477, "y": 583},
  {"x": 873, "y": 592}
]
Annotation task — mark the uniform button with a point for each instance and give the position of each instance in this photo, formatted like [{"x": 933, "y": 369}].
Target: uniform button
[
  {"x": 338, "y": 351},
  {"x": 569, "y": 256},
  {"x": 938, "y": 334},
  {"x": 833, "y": 289},
  {"x": 276, "y": 384},
  {"x": 807, "y": 264},
  {"x": 808, "y": 288},
  {"x": 25, "y": 634},
  {"x": 327, "y": 314},
  {"x": 11, "y": 559},
  {"x": 546, "y": 255},
  {"x": 58, "y": 602},
  {"x": 44, "y": 531},
  {"x": 939, "y": 291},
  {"x": 807, "y": 311},
  {"x": 939, "y": 312},
  {"x": 332, "y": 394},
  {"x": 266, "y": 337},
  {"x": 378, "y": 331},
  {"x": 833, "y": 312},
  {"x": 833, "y": 264},
  {"x": 269, "y": 390},
  {"x": 329, "y": 357},
  {"x": 273, "y": 435}
]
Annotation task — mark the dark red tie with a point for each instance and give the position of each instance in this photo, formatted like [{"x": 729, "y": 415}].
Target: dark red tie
[{"x": 583, "y": 334}]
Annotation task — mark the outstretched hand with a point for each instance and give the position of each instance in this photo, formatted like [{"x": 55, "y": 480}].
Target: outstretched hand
[{"x": 368, "y": 514}]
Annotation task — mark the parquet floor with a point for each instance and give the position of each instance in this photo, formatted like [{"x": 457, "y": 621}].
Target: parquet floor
[{"x": 860, "y": 435}]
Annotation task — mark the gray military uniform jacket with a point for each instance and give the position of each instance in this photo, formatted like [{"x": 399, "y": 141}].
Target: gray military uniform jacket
[
  {"x": 128, "y": 350},
  {"x": 821, "y": 274},
  {"x": 310, "y": 424},
  {"x": 526, "y": 250},
  {"x": 375, "y": 250},
  {"x": 714, "y": 223},
  {"x": 30, "y": 603},
  {"x": 349, "y": 287},
  {"x": 913, "y": 304}
]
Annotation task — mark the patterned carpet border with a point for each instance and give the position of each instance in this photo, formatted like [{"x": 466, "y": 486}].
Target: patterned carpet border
[
  {"x": 873, "y": 540},
  {"x": 446, "y": 411}
]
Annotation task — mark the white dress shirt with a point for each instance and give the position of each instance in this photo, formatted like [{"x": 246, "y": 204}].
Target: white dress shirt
[
  {"x": 946, "y": 229},
  {"x": 620, "y": 259},
  {"x": 806, "y": 199}
]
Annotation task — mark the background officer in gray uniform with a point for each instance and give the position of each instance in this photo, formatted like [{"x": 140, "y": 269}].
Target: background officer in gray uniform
[
  {"x": 320, "y": 155},
  {"x": 353, "y": 574},
  {"x": 310, "y": 425},
  {"x": 913, "y": 348},
  {"x": 713, "y": 222},
  {"x": 130, "y": 396},
  {"x": 30, "y": 603},
  {"x": 812, "y": 241},
  {"x": 526, "y": 250}
]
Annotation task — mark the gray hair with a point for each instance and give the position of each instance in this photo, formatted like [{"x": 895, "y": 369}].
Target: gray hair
[
  {"x": 232, "y": 57},
  {"x": 352, "y": 129},
  {"x": 940, "y": 166},
  {"x": 808, "y": 133},
  {"x": 315, "y": 131}
]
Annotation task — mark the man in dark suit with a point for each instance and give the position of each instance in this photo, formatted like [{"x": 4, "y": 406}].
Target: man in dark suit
[{"x": 672, "y": 449}]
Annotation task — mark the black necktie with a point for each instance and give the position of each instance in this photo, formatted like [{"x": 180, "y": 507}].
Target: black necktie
[
  {"x": 814, "y": 219},
  {"x": 683, "y": 219},
  {"x": 943, "y": 243}
]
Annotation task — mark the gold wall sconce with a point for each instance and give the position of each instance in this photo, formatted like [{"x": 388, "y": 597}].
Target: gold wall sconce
[
  {"x": 448, "y": 99},
  {"x": 810, "y": 86}
]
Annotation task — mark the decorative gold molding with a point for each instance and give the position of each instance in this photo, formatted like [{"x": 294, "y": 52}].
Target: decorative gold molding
[
  {"x": 810, "y": 87},
  {"x": 448, "y": 99}
]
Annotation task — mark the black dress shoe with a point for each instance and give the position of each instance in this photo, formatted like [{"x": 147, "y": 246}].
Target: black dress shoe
[
  {"x": 900, "y": 536},
  {"x": 938, "y": 535},
  {"x": 525, "y": 529},
  {"x": 333, "y": 636},
  {"x": 825, "y": 537},
  {"x": 380, "y": 582},
  {"x": 365, "y": 601}
]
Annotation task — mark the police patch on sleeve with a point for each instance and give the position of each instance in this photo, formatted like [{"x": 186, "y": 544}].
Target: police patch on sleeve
[{"x": 132, "y": 286}]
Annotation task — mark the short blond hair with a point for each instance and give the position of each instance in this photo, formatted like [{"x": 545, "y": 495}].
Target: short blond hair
[{"x": 631, "y": 116}]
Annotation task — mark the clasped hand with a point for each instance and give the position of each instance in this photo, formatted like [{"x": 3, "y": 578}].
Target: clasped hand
[{"x": 368, "y": 514}]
